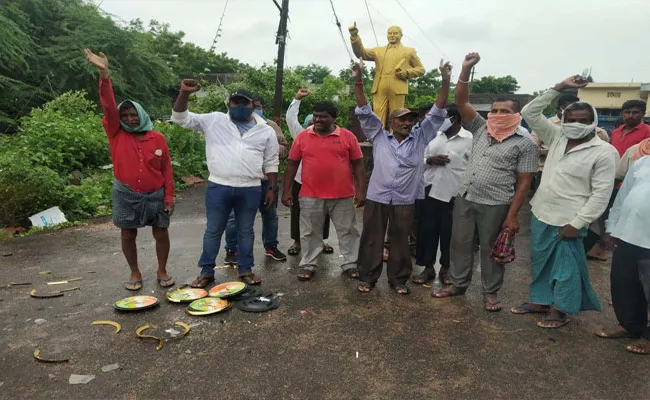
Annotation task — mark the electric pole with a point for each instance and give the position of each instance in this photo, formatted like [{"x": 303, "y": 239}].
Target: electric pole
[{"x": 281, "y": 41}]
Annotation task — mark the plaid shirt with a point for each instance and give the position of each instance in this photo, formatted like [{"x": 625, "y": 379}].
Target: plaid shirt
[{"x": 491, "y": 176}]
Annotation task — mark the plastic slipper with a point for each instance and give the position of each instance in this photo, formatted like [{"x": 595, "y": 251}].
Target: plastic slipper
[
  {"x": 327, "y": 249},
  {"x": 294, "y": 250},
  {"x": 639, "y": 348},
  {"x": 306, "y": 274},
  {"x": 563, "y": 321},
  {"x": 527, "y": 309},
  {"x": 444, "y": 293},
  {"x": 365, "y": 287},
  {"x": 492, "y": 303},
  {"x": 137, "y": 285},
  {"x": 619, "y": 334},
  {"x": 166, "y": 282},
  {"x": 352, "y": 273}
]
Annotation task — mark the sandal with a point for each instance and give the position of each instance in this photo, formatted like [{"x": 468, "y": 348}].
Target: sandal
[
  {"x": 401, "y": 289},
  {"x": 327, "y": 249},
  {"x": 133, "y": 285},
  {"x": 525, "y": 308},
  {"x": 641, "y": 347},
  {"x": 444, "y": 276},
  {"x": 445, "y": 292},
  {"x": 249, "y": 278},
  {"x": 385, "y": 256},
  {"x": 562, "y": 322},
  {"x": 425, "y": 276},
  {"x": 352, "y": 273},
  {"x": 305, "y": 274},
  {"x": 294, "y": 250},
  {"x": 202, "y": 281},
  {"x": 166, "y": 282},
  {"x": 492, "y": 306},
  {"x": 619, "y": 333},
  {"x": 365, "y": 287}
]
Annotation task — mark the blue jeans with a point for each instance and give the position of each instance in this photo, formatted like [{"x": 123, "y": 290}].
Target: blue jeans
[
  {"x": 269, "y": 225},
  {"x": 220, "y": 201}
]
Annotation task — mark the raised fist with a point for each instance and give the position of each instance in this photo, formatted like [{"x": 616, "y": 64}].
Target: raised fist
[
  {"x": 302, "y": 93},
  {"x": 190, "y": 86},
  {"x": 471, "y": 60}
]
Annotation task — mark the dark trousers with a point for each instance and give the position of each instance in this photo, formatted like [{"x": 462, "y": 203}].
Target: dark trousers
[
  {"x": 376, "y": 218},
  {"x": 592, "y": 237},
  {"x": 295, "y": 215},
  {"x": 434, "y": 225},
  {"x": 630, "y": 270}
]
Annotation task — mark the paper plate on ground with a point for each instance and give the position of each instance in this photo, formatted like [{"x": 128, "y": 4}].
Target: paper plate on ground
[
  {"x": 228, "y": 289},
  {"x": 185, "y": 295},
  {"x": 136, "y": 303},
  {"x": 207, "y": 305}
]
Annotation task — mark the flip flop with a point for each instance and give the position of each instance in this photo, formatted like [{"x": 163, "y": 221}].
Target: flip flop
[
  {"x": 365, "y": 287},
  {"x": 401, "y": 289},
  {"x": 492, "y": 303},
  {"x": 137, "y": 285},
  {"x": 352, "y": 273},
  {"x": 306, "y": 274},
  {"x": 563, "y": 321},
  {"x": 618, "y": 334},
  {"x": 202, "y": 281},
  {"x": 595, "y": 258},
  {"x": 527, "y": 309},
  {"x": 327, "y": 249},
  {"x": 166, "y": 282},
  {"x": 639, "y": 348},
  {"x": 445, "y": 292}
]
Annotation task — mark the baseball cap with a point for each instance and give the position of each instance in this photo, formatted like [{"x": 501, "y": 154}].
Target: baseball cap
[
  {"x": 242, "y": 93},
  {"x": 400, "y": 112}
]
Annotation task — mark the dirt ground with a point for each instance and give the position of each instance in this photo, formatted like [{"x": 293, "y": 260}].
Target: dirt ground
[{"x": 325, "y": 341}]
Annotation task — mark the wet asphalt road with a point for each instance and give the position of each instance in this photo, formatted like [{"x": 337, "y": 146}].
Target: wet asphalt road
[{"x": 410, "y": 347}]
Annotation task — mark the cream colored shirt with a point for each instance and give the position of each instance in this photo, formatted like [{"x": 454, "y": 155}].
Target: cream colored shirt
[{"x": 576, "y": 185}]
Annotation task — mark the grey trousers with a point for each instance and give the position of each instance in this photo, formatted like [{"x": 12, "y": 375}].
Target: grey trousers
[
  {"x": 488, "y": 220},
  {"x": 342, "y": 214}
]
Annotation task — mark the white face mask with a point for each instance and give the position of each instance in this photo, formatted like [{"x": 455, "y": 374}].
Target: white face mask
[
  {"x": 576, "y": 130},
  {"x": 446, "y": 125}
]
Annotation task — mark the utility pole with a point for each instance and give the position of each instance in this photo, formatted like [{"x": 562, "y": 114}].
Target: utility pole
[{"x": 281, "y": 41}]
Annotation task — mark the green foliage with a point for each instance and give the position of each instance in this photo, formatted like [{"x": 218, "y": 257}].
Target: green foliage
[
  {"x": 62, "y": 135},
  {"x": 26, "y": 189},
  {"x": 551, "y": 108},
  {"x": 91, "y": 198},
  {"x": 492, "y": 84},
  {"x": 313, "y": 73}
]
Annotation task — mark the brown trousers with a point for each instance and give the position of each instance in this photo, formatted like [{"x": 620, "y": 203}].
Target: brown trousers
[{"x": 376, "y": 218}]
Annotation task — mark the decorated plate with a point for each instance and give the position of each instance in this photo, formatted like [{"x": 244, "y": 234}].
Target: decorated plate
[
  {"x": 207, "y": 305},
  {"x": 227, "y": 289},
  {"x": 185, "y": 295},
  {"x": 136, "y": 303}
]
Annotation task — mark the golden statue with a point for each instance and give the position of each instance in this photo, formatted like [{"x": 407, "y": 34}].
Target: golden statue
[{"x": 394, "y": 65}]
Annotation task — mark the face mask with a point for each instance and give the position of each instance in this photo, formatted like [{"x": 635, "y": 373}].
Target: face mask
[
  {"x": 240, "y": 113},
  {"x": 446, "y": 125},
  {"x": 259, "y": 112},
  {"x": 502, "y": 126},
  {"x": 576, "y": 130}
]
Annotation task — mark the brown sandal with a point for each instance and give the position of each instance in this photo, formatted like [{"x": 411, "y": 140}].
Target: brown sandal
[
  {"x": 202, "y": 281},
  {"x": 401, "y": 289},
  {"x": 425, "y": 276},
  {"x": 305, "y": 274},
  {"x": 249, "y": 278}
]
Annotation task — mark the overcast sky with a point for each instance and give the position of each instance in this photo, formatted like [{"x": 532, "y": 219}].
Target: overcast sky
[{"x": 537, "y": 41}]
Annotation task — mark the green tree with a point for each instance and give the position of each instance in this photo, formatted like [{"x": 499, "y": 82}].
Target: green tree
[
  {"x": 493, "y": 84},
  {"x": 313, "y": 73}
]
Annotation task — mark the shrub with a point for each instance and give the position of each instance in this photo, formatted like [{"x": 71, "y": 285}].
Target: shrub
[
  {"x": 187, "y": 149},
  {"x": 26, "y": 190},
  {"x": 90, "y": 199},
  {"x": 63, "y": 135}
]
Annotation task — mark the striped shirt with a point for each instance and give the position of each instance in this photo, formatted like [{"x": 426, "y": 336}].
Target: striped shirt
[{"x": 491, "y": 176}]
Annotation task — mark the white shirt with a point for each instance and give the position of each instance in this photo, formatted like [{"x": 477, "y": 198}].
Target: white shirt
[
  {"x": 629, "y": 217},
  {"x": 234, "y": 159},
  {"x": 294, "y": 129},
  {"x": 445, "y": 179},
  {"x": 576, "y": 186}
]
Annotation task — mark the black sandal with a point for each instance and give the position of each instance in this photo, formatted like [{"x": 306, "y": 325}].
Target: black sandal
[
  {"x": 401, "y": 289},
  {"x": 327, "y": 249},
  {"x": 249, "y": 278},
  {"x": 444, "y": 276},
  {"x": 202, "y": 281},
  {"x": 424, "y": 277},
  {"x": 365, "y": 287},
  {"x": 294, "y": 250},
  {"x": 352, "y": 273},
  {"x": 305, "y": 274}
]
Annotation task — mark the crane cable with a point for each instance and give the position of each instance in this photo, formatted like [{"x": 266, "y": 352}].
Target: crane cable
[
  {"x": 338, "y": 23},
  {"x": 218, "y": 34}
]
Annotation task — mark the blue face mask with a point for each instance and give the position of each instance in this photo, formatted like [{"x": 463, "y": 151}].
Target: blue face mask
[{"x": 240, "y": 113}]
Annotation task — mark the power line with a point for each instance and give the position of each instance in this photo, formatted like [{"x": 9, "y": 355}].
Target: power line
[
  {"x": 345, "y": 43},
  {"x": 371, "y": 23},
  {"x": 218, "y": 34},
  {"x": 421, "y": 30}
]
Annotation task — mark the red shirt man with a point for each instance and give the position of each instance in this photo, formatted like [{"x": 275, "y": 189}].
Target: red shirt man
[{"x": 634, "y": 130}]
